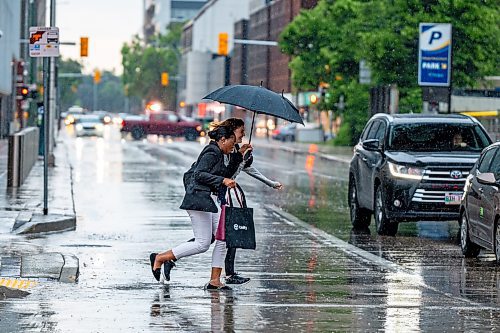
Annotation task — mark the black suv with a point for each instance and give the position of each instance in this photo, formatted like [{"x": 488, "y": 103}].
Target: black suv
[{"x": 411, "y": 168}]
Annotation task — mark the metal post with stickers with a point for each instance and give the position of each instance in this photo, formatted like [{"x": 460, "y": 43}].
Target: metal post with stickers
[{"x": 44, "y": 42}]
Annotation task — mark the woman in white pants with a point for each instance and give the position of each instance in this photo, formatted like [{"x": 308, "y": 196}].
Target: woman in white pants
[{"x": 202, "y": 183}]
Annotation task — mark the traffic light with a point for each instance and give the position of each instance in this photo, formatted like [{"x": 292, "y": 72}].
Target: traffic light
[
  {"x": 164, "y": 79},
  {"x": 223, "y": 44},
  {"x": 97, "y": 76},
  {"x": 84, "y": 46},
  {"x": 313, "y": 98},
  {"x": 23, "y": 92}
]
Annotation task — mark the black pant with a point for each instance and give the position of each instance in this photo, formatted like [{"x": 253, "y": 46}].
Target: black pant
[
  {"x": 229, "y": 261},
  {"x": 230, "y": 257}
]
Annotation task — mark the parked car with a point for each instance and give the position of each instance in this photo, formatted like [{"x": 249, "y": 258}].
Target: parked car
[
  {"x": 480, "y": 207},
  {"x": 89, "y": 125},
  {"x": 162, "y": 123},
  {"x": 412, "y": 168},
  {"x": 285, "y": 132}
]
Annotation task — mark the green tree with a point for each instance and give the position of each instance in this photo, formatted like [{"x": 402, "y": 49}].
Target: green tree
[
  {"x": 327, "y": 42},
  {"x": 110, "y": 93},
  {"x": 144, "y": 63},
  {"x": 68, "y": 86}
]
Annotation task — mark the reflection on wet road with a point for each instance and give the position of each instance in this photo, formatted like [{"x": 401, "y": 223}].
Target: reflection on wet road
[{"x": 127, "y": 197}]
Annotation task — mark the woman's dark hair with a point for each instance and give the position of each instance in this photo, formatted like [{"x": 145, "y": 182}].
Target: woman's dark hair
[
  {"x": 232, "y": 123},
  {"x": 221, "y": 132}
]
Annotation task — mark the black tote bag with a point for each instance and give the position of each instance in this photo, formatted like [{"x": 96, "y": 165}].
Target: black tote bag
[{"x": 240, "y": 229}]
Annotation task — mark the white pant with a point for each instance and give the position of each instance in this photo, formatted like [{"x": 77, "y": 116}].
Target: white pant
[{"x": 204, "y": 226}]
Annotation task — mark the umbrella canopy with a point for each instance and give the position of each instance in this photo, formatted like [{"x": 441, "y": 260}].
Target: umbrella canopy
[{"x": 257, "y": 99}]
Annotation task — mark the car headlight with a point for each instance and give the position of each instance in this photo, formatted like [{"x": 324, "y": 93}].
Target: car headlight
[
  {"x": 79, "y": 127},
  {"x": 99, "y": 127},
  {"x": 404, "y": 171}
]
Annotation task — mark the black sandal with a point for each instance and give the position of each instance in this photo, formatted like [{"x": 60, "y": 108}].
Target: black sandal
[
  {"x": 156, "y": 272},
  {"x": 209, "y": 286}
]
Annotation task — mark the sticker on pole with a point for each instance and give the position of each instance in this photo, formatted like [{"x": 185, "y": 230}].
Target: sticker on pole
[
  {"x": 44, "y": 42},
  {"x": 434, "y": 54}
]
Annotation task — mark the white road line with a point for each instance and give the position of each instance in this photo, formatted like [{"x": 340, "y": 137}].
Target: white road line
[{"x": 367, "y": 257}]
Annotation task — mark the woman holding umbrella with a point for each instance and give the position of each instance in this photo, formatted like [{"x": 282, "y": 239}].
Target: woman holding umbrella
[{"x": 203, "y": 182}]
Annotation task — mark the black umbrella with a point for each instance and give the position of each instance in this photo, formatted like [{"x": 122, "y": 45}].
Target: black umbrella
[{"x": 257, "y": 99}]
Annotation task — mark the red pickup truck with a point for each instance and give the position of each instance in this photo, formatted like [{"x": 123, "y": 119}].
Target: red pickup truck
[{"x": 162, "y": 123}]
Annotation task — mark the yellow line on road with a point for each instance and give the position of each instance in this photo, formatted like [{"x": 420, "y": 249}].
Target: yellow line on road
[{"x": 17, "y": 283}]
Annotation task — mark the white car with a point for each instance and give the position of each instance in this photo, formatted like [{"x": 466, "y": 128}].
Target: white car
[{"x": 89, "y": 125}]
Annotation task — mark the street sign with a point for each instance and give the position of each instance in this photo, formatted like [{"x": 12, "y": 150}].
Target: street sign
[
  {"x": 44, "y": 42},
  {"x": 434, "y": 54}
]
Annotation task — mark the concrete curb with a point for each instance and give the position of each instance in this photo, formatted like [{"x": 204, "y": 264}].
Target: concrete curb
[
  {"x": 39, "y": 223},
  {"x": 70, "y": 270},
  {"x": 50, "y": 265}
]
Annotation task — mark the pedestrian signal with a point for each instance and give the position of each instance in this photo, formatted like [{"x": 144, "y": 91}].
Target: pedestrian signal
[
  {"x": 97, "y": 76},
  {"x": 223, "y": 44},
  {"x": 164, "y": 79},
  {"x": 84, "y": 46}
]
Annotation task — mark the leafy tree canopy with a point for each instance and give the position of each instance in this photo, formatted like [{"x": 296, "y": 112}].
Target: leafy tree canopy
[
  {"x": 143, "y": 64},
  {"x": 68, "y": 85},
  {"x": 327, "y": 43}
]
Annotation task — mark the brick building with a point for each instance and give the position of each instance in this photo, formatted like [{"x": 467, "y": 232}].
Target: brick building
[{"x": 253, "y": 64}]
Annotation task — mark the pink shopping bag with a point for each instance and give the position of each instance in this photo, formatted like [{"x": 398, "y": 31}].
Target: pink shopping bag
[{"x": 221, "y": 228}]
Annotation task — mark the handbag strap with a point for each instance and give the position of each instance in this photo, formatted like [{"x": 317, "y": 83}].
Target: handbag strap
[{"x": 239, "y": 196}]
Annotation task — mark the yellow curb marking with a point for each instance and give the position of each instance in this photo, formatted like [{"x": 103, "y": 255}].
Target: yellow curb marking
[{"x": 17, "y": 283}]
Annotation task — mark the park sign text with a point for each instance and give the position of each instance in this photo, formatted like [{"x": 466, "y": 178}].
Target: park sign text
[{"x": 434, "y": 54}]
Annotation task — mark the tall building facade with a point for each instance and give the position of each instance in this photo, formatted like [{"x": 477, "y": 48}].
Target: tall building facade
[
  {"x": 159, "y": 14},
  {"x": 202, "y": 69},
  {"x": 267, "y": 64},
  {"x": 10, "y": 28},
  {"x": 16, "y": 67}
]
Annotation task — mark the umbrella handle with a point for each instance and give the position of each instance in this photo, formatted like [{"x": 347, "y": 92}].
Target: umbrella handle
[{"x": 251, "y": 128}]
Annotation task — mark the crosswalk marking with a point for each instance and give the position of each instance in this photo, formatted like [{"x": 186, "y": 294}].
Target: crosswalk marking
[{"x": 17, "y": 283}]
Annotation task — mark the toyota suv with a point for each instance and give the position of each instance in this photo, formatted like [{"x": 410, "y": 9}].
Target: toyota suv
[{"x": 412, "y": 168}]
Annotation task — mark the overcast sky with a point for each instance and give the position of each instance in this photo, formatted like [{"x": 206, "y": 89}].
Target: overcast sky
[{"x": 107, "y": 24}]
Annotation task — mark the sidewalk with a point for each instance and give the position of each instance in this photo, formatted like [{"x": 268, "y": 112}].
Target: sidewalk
[{"x": 21, "y": 213}]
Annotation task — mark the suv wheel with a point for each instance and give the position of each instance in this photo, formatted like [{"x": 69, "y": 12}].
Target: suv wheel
[
  {"x": 383, "y": 224},
  {"x": 360, "y": 218},
  {"x": 469, "y": 249},
  {"x": 137, "y": 133}
]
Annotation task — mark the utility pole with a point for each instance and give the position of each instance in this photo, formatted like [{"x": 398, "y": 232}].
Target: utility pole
[{"x": 52, "y": 88}]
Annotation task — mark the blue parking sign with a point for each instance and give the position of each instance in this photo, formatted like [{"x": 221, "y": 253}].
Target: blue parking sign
[{"x": 434, "y": 54}]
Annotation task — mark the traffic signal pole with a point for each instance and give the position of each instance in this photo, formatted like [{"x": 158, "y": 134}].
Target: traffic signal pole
[{"x": 46, "y": 136}]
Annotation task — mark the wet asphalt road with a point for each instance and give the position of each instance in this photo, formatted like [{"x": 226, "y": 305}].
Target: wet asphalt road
[{"x": 127, "y": 194}]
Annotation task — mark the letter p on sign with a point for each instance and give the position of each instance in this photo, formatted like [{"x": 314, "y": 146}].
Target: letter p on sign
[{"x": 436, "y": 35}]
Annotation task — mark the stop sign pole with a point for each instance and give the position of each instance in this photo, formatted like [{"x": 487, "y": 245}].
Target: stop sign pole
[{"x": 44, "y": 43}]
